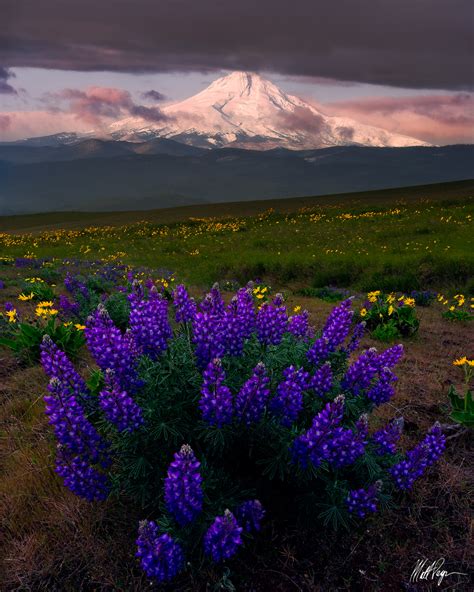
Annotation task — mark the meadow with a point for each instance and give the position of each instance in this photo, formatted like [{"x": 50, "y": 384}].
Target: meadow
[{"x": 399, "y": 246}]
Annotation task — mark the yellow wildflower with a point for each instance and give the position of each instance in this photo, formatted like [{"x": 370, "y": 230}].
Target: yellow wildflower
[
  {"x": 26, "y": 297},
  {"x": 264, "y": 290},
  {"x": 390, "y": 310},
  {"x": 260, "y": 296},
  {"x": 372, "y": 296},
  {"x": 460, "y": 361},
  {"x": 45, "y": 304},
  {"x": 363, "y": 312},
  {"x": 12, "y": 316},
  {"x": 67, "y": 324},
  {"x": 452, "y": 308},
  {"x": 297, "y": 309},
  {"x": 409, "y": 302},
  {"x": 79, "y": 327},
  {"x": 470, "y": 362},
  {"x": 391, "y": 298}
]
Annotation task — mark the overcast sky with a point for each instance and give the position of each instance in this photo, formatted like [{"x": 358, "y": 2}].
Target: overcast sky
[{"x": 404, "y": 65}]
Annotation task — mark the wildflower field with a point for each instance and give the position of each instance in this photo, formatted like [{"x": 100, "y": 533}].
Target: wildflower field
[{"x": 303, "y": 424}]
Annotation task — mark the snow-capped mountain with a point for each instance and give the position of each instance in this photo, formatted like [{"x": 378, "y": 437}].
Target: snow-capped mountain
[{"x": 244, "y": 110}]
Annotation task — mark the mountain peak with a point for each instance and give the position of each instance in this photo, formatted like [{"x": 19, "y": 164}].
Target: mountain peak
[{"x": 244, "y": 110}]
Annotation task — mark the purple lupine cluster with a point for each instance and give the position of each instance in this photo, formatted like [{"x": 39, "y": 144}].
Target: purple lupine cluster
[
  {"x": 250, "y": 515},
  {"x": 234, "y": 332},
  {"x": 425, "y": 454},
  {"x": 112, "y": 349},
  {"x": 272, "y": 321},
  {"x": 391, "y": 356},
  {"x": 338, "y": 324},
  {"x": 149, "y": 323},
  {"x": 213, "y": 302},
  {"x": 75, "y": 286},
  {"x": 298, "y": 325},
  {"x": 71, "y": 426},
  {"x": 361, "y": 372},
  {"x": 56, "y": 364},
  {"x": 80, "y": 477},
  {"x": 69, "y": 308},
  {"x": 363, "y": 501},
  {"x": 185, "y": 306},
  {"x": 118, "y": 406},
  {"x": 386, "y": 439},
  {"x": 356, "y": 337},
  {"x": 216, "y": 399},
  {"x": 288, "y": 402},
  {"x": 160, "y": 556},
  {"x": 208, "y": 337},
  {"x": 322, "y": 379},
  {"x": 252, "y": 398},
  {"x": 183, "y": 486},
  {"x": 319, "y": 352},
  {"x": 223, "y": 537},
  {"x": 312, "y": 445},
  {"x": 246, "y": 311},
  {"x": 383, "y": 390},
  {"x": 345, "y": 446}
]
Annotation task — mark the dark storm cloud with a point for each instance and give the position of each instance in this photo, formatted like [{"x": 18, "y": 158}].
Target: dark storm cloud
[
  {"x": 409, "y": 43},
  {"x": 5, "y": 87},
  {"x": 153, "y": 95}
]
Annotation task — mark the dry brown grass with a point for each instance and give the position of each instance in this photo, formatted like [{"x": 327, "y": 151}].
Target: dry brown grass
[{"x": 53, "y": 541}]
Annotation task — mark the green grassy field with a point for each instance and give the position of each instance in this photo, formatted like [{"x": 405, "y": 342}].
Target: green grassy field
[{"x": 398, "y": 239}]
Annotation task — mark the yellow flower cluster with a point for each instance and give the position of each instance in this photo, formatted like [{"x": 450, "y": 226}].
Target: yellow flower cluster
[
  {"x": 45, "y": 309},
  {"x": 26, "y": 297},
  {"x": 463, "y": 362},
  {"x": 459, "y": 301},
  {"x": 372, "y": 296},
  {"x": 260, "y": 292},
  {"x": 12, "y": 315}
]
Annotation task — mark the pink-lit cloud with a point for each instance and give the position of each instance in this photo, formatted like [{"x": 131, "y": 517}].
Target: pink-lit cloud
[
  {"x": 438, "y": 119},
  {"x": 5, "y": 122},
  {"x": 99, "y": 106}
]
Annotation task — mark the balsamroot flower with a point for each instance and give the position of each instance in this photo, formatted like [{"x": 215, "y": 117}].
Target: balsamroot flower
[
  {"x": 363, "y": 501},
  {"x": 80, "y": 477},
  {"x": 183, "y": 486},
  {"x": 386, "y": 439},
  {"x": 149, "y": 323},
  {"x": 289, "y": 398},
  {"x": 57, "y": 365},
  {"x": 185, "y": 306},
  {"x": 216, "y": 398},
  {"x": 223, "y": 538},
  {"x": 425, "y": 454},
  {"x": 161, "y": 557},
  {"x": 252, "y": 398},
  {"x": 118, "y": 406},
  {"x": 272, "y": 321},
  {"x": 250, "y": 515}
]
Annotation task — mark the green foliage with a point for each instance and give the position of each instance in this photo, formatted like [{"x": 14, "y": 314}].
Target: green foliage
[
  {"x": 327, "y": 294},
  {"x": 386, "y": 332},
  {"x": 25, "y": 339},
  {"x": 462, "y": 407},
  {"x": 41, "y": 290},
  {"x": 118, "y": 307}
]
